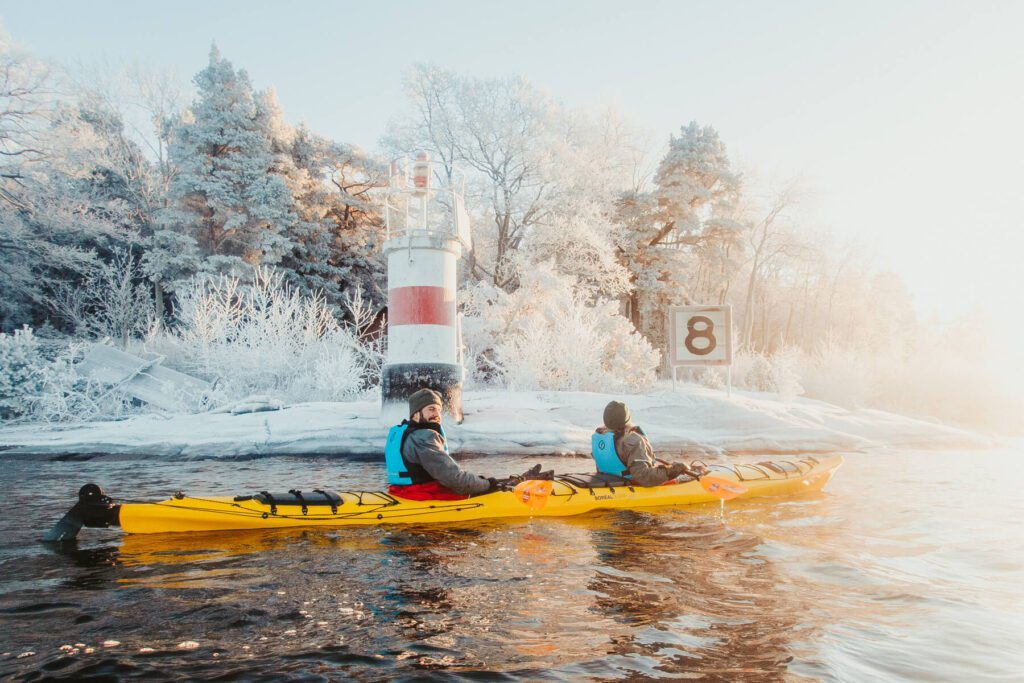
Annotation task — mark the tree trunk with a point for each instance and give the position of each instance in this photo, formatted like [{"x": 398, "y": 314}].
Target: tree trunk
[
  {"x": 748, "y": 311},
  {"x": 634, "y": 309},
  {"x": 789, "y": 324},
  {"x": 158, "y": 301}
]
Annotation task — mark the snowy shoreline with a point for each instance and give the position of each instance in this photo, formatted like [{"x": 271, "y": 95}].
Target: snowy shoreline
[{"x": 694, "y": 421}]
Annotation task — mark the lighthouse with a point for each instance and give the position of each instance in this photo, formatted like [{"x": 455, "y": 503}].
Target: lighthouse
[{"x": 427, "y": 229}]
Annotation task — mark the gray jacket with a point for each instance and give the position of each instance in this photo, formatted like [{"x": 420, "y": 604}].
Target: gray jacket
[
  {"x": 636, "y": 454},
  {"x": 426, "y": 447}
]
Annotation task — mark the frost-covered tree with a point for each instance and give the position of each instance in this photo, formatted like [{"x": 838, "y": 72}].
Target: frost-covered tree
[
  {"x": 96, "y": 178},
  {"x": 225, "y": 197},
  {"x": 688, "y": 210},
  {"x": 66, "y": 188},
  {"x": 105, "y": 171},
  {"x": 142, "y": 102},
  {"x": 542, "y": 178},
  {"x": 502, "y": 131},
  {"x": 26, "y": 108},
  {"x": 596, "y": 160},
  {"x": 579, "y": 243},
  {"x": 112, "y": 302},
  {"x": 768, "y": 242},
  {"x": 338, "y": 229}
]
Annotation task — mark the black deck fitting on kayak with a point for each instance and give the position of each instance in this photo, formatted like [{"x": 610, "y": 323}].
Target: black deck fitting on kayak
[
  {"x": 334, "y": 508},
  {"x": 94, "y": 509},
  {"x": 298, "y": 496}
]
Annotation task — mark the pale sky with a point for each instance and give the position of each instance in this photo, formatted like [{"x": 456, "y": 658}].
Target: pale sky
[{"x": 903, "y": 119}]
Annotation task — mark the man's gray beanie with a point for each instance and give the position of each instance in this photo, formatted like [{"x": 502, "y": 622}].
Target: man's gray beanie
[{"x": 421, "y": 399}]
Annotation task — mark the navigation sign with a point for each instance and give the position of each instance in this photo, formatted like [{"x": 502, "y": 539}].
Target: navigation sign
[{"x": 700, "y": 335}]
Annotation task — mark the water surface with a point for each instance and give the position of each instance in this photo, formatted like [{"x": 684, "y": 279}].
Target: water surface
[{"x": 907, "y": 567}]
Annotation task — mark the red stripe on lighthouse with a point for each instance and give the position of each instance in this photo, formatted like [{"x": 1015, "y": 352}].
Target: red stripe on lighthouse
[{"x": 421, "y": 306}]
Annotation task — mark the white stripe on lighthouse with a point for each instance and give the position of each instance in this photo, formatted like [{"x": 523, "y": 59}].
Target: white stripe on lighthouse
[
  {"x": 422, "y": 344},
  {"x": 428, "y": 268}
]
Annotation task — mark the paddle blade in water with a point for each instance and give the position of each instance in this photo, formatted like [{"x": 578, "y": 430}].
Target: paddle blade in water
[
  {"x": 533, "y": 493},
  {"x": 723, "y": 489}
]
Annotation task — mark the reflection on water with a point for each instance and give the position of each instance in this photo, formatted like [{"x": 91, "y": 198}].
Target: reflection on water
[
  {"x": 695, "y": 597},
  {"x": 911, "y": 570}
]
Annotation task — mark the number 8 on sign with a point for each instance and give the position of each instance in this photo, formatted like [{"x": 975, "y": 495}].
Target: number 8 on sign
[
  {"x": 699, "y": 335},
  {"x": 706, "y": 332}
]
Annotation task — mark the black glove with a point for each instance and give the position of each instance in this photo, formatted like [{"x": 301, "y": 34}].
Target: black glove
[
  {"x": 499, "y": 485},
  {"x": 535, "y": 474},
  {"x": 530, "y": 473}
]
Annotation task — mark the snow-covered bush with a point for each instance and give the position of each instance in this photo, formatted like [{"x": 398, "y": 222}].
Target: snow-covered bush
[
  {"x": 710, "y": 376},
  {"x": 752, "y": 371},
  {"x": 21, "y": 372},
  {"x": 778, "y": 374},
  {"x": 548, "y": 335},
  {"x": 264, "y": 338},
  {"x": 36, "y": 386},
  {"x": 260, "y": 339}
]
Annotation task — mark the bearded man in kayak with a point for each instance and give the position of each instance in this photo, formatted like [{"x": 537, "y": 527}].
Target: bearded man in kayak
[
  {"x": 621, "y": 448},
  {"x": 419, "y": 466}
]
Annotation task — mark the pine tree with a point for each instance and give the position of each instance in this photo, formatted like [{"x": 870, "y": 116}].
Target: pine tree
[
  {"x": 344, "y": 247},
  {"x": 338, "y": 228},
  {"x": 686, "y": 213},
  {"x": 225, "y": 199}
]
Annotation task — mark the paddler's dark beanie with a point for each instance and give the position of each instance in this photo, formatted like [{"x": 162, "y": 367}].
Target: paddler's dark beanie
[
  {"x": 421, "y": 399},
  {"x": 616, "y": 416}
]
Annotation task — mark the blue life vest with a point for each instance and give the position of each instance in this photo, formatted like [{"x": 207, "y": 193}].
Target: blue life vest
[
  {"x": 399, "y": 472},
  {"x": 602, "y": 447}
]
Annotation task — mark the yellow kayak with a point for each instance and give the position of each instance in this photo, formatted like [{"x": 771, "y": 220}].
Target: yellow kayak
[{"x": 564, "y": 495}]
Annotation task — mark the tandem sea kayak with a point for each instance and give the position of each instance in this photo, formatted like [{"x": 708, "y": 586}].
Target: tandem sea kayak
[{"x": 569, "y": 494}]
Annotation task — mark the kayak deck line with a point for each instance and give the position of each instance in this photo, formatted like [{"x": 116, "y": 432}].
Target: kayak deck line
[
  {"x": 569, "y": 494},
  {"x": 376, "y": 507}
]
